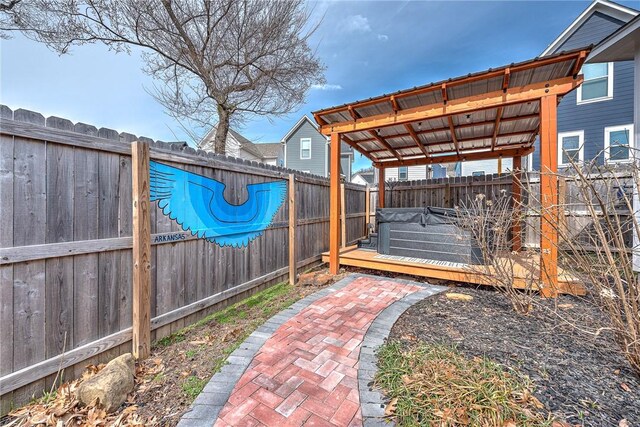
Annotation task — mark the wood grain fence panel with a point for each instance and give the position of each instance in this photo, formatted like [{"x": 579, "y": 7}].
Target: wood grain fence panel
[
  {"x": 85, "y": 267},
  {"x": 125, "y": 229},
  {"x": 6, "y": 240},
  {"x": 59, "y": 308},
  {"x": 29, "y": 228}
]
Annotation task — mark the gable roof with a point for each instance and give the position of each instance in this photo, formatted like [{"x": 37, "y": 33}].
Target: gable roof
[
  {"x": 244, "y": 143},
  {"x": 619, "y": 46},
  {"x": 615, "y": 10},
  {"x": 269, "y": 149},
  {"x": 366, "y": 174},
  {"x": 297, "y": 125},
  {"x": 345, "y": 149}
]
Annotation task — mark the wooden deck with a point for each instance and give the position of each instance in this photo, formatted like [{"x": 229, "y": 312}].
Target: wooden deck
[{"x": 456, "y": 272}]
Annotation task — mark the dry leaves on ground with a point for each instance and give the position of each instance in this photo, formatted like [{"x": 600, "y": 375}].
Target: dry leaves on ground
[{"x": 63, "y": 408}]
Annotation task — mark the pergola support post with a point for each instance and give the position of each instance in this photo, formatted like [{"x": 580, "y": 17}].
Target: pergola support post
[
  {"x": 516, "y": 195},
  {"x": 334, "y": 205},
  {"x": 549, "y": 195},
  {"x": 381, "y": 184}
]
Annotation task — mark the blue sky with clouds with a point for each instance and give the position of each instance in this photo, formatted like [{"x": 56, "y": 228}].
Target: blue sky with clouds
[{"x": 368, "y": 47}]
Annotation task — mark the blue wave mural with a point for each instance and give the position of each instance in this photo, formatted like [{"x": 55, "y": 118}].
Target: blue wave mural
[{"x": 197, "y": 204}]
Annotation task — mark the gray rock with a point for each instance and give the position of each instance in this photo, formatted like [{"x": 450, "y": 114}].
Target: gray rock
[{"x": 111, "y": 385}]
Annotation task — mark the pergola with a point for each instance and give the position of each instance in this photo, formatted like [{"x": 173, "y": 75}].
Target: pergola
[{"x": 492, "y": 114}]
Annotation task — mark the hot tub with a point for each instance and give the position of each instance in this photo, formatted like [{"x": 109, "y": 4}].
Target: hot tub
[{"x": 428, "y": 233}]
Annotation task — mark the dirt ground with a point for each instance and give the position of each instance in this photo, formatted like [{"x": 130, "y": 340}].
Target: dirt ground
[{"x": 579, "y": 377}]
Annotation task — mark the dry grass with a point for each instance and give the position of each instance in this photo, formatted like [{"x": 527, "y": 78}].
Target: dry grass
[{"x": 435, "y": 385}]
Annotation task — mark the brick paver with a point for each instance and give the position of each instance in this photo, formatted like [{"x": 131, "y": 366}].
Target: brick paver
[{"x": 306, "y": 372}]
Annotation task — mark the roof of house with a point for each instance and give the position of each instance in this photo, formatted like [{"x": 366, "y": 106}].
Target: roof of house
[
  {"x": 345, "y": 149},
  {"x": 269, "y": 149},
  {"x": 619, "y": 46},
  {"x": 297, "y": 125},
  {"x": 609, "y": 8},
  {"x": 245, "y": 144},
  {"x": 366, "y": 174}
]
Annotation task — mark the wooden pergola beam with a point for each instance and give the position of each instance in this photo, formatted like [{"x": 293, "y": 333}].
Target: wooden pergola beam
[
  {"x": 460, "y": 126},
  {"x": 374, "y": 133},
  {"x": 498, "y": 151},
  {"x": 385, "y": 144},
  {"x": 506, "y": 79},
  {"x": 549, "y": 195},
  {"x": 579, "y": 63},
  {"x": 496, "y": 127},
  {"x": 416, "y": 139},
  {"x": 475, "y": 138},
  {"x": 394, "y": 103},
  {"x": 517, "y": 150},
  {"x": 334, "y": 205},
  {"x": 454, "y": 138},
  {"x": 354, "y": 145},
  {"x": 468, "y": 104}
]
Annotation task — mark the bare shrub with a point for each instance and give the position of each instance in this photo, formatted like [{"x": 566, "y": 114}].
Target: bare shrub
[
  {"x": 490, "y": 222},
  {"x": 598, "y": 246}
]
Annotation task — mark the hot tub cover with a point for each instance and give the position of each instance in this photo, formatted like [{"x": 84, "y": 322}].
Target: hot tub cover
[{"x": 423, "y": 216}]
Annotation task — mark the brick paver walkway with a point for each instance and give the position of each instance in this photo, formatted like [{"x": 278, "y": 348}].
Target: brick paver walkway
[{"x": 306, "y": 372}]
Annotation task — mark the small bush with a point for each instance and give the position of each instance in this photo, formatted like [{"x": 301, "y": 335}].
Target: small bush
[{"x": 435, "y": 385}]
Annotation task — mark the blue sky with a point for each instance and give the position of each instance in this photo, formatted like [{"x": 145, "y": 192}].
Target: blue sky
[{"x": 368, "y": 47}]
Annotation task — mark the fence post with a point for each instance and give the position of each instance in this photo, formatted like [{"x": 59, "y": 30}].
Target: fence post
[
  {"x": 293, "y": 264},
  {"x": 141, "y": 343},
  {"x": 343, "y": 216},
  {"x": 367, "y": 210},
  {"x": 447, "y": 194}
]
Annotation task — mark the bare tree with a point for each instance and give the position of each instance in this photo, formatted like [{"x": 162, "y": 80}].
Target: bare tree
[{"x": 214, "y": 59}]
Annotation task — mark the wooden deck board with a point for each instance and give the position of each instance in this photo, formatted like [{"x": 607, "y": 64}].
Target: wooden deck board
[{"x": 352, "y": 256}]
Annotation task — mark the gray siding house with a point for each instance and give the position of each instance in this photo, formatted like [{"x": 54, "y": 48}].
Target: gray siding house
[
  {"x": 595, "y": 121},
  {"x": 307, "y": 150}
]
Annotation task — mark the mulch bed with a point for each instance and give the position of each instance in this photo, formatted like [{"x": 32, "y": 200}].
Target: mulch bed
[{"x": 578, "y": 376}]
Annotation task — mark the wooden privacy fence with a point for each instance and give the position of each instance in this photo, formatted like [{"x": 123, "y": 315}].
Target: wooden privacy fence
[
  {"x": 66, "y": 245},
  {"x": 458, "y": 191}
]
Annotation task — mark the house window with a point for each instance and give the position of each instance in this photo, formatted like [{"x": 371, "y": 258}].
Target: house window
[
  {"x": 570, "y": 147},
  {"x": 598, "y": 83},
  {"x": 618, "y": 141},
  {"x": 403, "y": 173},
  {"x": 478, "y": 173},
  {"x": 305, "y": 148}
]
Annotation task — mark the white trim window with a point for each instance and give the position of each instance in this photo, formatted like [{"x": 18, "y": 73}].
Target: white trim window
[
  {"x": 403, "y": 173},
  {"x": 618, "y": 142},
  {"x": 570, "y": 147},
  {"x": 305, "y": 148},
  {"x": 598, "y": 83}
]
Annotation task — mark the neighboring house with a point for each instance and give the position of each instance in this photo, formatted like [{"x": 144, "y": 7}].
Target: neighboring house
[
  {"x": 366, "y": 176},
  {"x": 272, "y": 153},
  {"x": 307, "y": 150},
  {"x": 412, "y": 173},
  {"x": 596, "y": 120},
  {"x": 486, "y": 167},
  {"x": 239, "y": 146}
]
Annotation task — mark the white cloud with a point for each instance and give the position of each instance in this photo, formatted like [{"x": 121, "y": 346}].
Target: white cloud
[
  {"x": 358, "y": 23},
  {"x": 326, "y": 87},
  {"x": 383, "y": 37}
]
